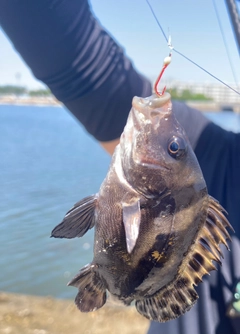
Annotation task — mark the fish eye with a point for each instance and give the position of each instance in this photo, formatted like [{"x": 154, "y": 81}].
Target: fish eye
[
  {"x": 173, "y": 147},
  {"x": 177, "y": 147}
]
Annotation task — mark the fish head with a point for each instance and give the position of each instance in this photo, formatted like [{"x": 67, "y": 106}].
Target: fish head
[{"x": 155, "y": 150}]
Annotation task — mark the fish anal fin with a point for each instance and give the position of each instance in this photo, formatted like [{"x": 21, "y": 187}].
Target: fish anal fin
[
  {"x": 179, "y": 295},
  {"x": 216, "y": 233},
  {"x": 170, "y": 302},
  {"x": 131, "y": 221},
  {"x": 219, "y": 210},
  {"x": 92, "y": 293},
  {"x": 210, "y": 240},
  {"x": 77, "y": 220},
  {"x": 200, "y": 257}
]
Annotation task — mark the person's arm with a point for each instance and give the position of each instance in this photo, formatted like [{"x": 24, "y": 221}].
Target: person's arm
[
  {"x": 68, "y": 50},
  {"x": 192, "y": 120},
  {"x": 110, "y": 146}
]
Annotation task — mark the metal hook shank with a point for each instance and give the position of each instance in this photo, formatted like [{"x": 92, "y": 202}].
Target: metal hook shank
[{"x": 166, "y": 62}]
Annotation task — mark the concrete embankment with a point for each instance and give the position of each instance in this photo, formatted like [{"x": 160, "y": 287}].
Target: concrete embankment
[
  {"x": 22, "y": 314},
  {"x": 29, "y": 101},
  {"x": 52, "y": 101}
]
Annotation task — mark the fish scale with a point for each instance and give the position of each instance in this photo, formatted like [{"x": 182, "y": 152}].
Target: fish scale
[{"x": 157, "y": 231}]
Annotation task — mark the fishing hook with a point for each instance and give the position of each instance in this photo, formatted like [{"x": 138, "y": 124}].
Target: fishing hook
[{"x": 166, "y": 62}]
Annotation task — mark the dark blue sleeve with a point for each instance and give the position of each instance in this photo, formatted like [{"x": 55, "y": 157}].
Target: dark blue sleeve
[
  {"x": 68, "y": 50},
  {"x": 218, "y": 153}
]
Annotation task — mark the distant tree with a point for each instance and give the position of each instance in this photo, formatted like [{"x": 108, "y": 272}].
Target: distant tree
[
  {"x": 40, "y": 92},
  {"x": 10, "y": 89},
  {"x": 174, "y": 94},
  {"x": 187, "y": 95}
]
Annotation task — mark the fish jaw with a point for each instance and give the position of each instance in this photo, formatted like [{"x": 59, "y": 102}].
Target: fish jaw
[
  {"x": 145, "y": 106},
  {"x": 145, "y": 119}
]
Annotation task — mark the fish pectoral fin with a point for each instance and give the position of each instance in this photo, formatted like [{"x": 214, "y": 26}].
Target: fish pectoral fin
[
  {"x": 92, "y": 293},
  {"x": 131, "y": 221},
  {"x": 169, "y": 302},
  {"x": 77, "y": 220}
]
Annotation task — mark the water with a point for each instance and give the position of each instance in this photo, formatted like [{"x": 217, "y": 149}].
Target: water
[{"x": 48, "y": 163}]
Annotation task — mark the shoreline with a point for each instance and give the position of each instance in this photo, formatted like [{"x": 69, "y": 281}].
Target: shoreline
[
  {"x": 30, "y": 101},
  {"x": 51, "y": 101},
  {"x": 27, "y": 314}
]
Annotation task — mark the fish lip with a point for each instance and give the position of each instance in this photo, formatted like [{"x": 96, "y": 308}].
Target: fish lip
[
  {"x": 144, "y": 108},
  {"x": 152, "y": 102}
]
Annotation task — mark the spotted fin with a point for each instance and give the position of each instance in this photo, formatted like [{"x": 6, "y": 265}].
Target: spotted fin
[
  {"x": 77, "y": 220},
  {"x": 92, "y": 294},
  {"x": 131, "y": 221},
  {"x": 169, "y": 303},
  {"x": 179, "y": 296}
]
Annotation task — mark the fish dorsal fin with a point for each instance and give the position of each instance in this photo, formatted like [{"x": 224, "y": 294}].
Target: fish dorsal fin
[
  {"x": 179, "y": 296},
  {"x": 131, "y": 221},
  {"x": 77, "y": 220}
]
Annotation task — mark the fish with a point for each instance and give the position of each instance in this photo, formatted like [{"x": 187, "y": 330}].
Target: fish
[{"x": 157, "y": 230}]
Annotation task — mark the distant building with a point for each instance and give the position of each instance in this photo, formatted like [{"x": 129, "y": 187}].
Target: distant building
[{"x": 219, "y": 93}]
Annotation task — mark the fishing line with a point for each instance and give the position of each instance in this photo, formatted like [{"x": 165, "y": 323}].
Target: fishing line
[
  {"x": 157, "y": 21},
  {"x": 225, "y": 42},
  {"x": 181, "y": 54},
  {"x": 224, "y": 83}
]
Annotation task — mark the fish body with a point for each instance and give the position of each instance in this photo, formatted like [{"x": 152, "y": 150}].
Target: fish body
[{"x": 157, "y": 230}]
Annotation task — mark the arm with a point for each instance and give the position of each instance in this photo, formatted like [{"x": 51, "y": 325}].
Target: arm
[
  {"x": 68, "y": 50},
  {"x": 192, "y": 120}
]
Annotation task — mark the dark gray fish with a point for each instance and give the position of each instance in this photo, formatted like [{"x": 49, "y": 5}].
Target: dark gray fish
[{"x": 157, "y": 230}]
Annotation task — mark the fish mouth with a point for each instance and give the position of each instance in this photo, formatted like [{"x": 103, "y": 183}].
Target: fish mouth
[
  {"x": 150, "y": 110},
  {"x": 152, "y": 101}
]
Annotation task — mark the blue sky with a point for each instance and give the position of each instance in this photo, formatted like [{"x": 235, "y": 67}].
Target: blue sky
[{"x": 194, "y": 30}]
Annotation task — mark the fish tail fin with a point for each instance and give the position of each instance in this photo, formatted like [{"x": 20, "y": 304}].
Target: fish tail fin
[
  {"x": 92, "y": 293},
  {"x": 169, "y": 302},
  {"x": 78, "y": 220}
]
